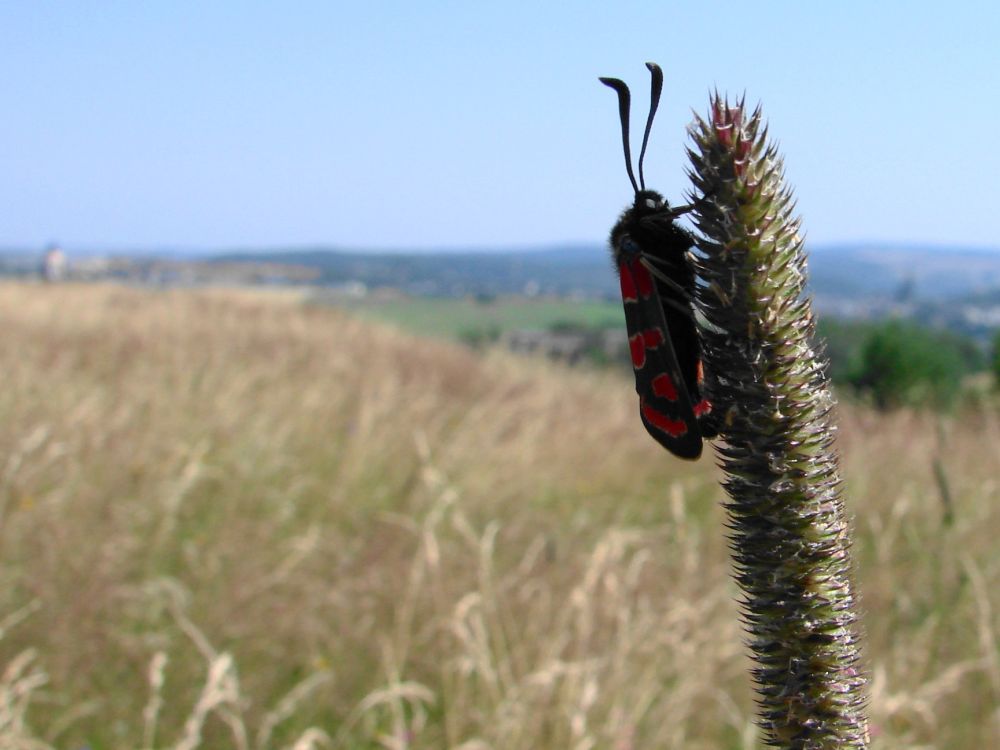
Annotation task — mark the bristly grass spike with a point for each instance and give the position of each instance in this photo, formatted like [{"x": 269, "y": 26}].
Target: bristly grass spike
[{"x": 657, "y": 284}]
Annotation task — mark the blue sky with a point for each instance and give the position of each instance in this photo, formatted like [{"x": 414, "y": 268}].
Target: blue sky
[{"x": 397, "y": 125}]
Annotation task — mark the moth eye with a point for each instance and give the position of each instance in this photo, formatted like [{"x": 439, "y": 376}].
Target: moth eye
[{"x": 629, "y": 245}]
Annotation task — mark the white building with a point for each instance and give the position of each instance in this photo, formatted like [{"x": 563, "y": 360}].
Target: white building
[{"x": 54, "y": 264}]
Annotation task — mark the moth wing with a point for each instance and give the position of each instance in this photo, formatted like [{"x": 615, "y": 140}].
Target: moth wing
[
  {"x": 665, "y": 406},
  {"x": 684, "y": 337},
  {"x": 687, "y": 353}
]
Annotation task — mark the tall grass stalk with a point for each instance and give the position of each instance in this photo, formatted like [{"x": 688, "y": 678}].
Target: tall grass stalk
[{"x": 789, "y": 533}]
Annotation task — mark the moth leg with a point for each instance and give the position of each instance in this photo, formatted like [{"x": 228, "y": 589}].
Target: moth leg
[
  {"x": 676, "y": 211},
  {"x": 684, "y": 308},
  {"x": 679, "y": 307},
  {"x": 689, "y": 207},
  {"x": 666, "y": 280}
]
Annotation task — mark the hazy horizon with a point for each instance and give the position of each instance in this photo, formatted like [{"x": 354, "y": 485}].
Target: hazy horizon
[{"x": 196, "y": 251}]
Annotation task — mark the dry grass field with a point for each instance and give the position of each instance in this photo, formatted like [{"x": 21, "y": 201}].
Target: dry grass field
[{"x": 230, "y": 520}]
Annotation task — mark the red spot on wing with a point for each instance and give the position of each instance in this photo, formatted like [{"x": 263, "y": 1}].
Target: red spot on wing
[
  {"x": 643, "y": 279},
  {"x": 638, "y": 350},
  {"x": 652, "y": 337},
  {"x": 673, "y": 427},
  {"x": 702, "y": 407},
  {"x": 640, "y": 342},
  {"x": 699, "y": 373},
  {"x": 663, "y": 386},
  {"x": 628, "y": 283}
]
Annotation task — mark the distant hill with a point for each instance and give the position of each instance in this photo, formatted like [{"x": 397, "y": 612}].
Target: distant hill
[
  {"x": 839, "y": 275},
  {"x": 564, "y": 270},
  {"x": 851, "y": 272},
  {"x": 926, "y": 273}
]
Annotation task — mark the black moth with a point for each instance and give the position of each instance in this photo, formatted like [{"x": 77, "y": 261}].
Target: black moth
[{"x": 657, "y": 286}]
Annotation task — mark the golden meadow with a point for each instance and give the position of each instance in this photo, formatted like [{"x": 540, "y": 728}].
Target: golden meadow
[{"x": 232, "y": 520}]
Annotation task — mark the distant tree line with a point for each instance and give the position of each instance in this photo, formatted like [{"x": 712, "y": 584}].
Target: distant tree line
[
  {"x": 889, "y": 363},
  {"x": 895, "y": 363}
]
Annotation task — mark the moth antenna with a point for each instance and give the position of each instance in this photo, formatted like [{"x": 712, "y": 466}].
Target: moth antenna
[
  {"x": 656, "y": 86},
  {"x": 624, "y": 103}
]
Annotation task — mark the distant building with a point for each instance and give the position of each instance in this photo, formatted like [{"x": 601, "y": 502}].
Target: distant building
[{"x": 54, "y": 264}]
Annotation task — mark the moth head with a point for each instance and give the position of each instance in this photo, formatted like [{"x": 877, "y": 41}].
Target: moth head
[{"x": 648, "y": 202}]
